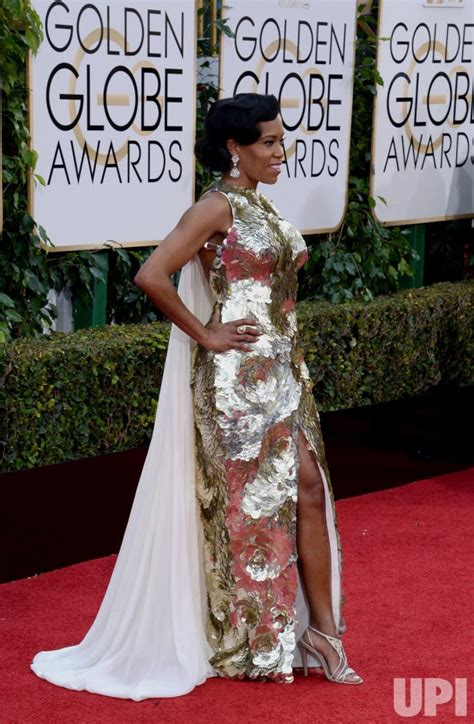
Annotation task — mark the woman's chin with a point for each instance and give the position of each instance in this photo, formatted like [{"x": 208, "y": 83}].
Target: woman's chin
[{"x": 270, "y": 180}]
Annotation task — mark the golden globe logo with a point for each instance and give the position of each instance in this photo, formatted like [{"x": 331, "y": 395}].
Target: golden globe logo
[
  {"x": 300, "y": 63},
  {"x": 431, "y": 96},
  {"x": 101, "y": 95}
]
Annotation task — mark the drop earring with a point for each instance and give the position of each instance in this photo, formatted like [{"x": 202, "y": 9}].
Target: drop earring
[{"x": 234, "y": 171}]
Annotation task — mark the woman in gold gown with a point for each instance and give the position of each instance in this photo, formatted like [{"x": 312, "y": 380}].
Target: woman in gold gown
[
  {"x": 263, "y": 487},
  {"x": 231, "y": 562}
]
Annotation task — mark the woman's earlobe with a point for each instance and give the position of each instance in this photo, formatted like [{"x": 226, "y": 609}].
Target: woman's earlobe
[{"x": 232, "y": 148}]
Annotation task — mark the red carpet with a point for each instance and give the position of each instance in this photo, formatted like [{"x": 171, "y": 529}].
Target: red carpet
[{"x": 408, "y": 563}]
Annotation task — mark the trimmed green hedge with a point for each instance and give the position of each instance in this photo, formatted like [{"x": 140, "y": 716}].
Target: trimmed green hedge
[
  {"x": 94, "y": 391},
  {"x": 80, "y": 394},
  {"x": 396, "y": 346}
]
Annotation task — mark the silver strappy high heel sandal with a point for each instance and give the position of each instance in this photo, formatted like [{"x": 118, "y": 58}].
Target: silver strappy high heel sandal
[{"x": 342, "y": 669}]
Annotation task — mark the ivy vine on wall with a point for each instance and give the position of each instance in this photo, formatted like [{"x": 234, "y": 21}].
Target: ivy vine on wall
[{"x": 27, "y": 271}]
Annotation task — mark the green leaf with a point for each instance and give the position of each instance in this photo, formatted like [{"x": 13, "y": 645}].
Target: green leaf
[
  {"x": 6, "y": 300},
  {"x": 13, "y": 315},
  {"x": 97, "y": 273},
  {"x": 27, "y": 223},
  {"x": 34, "y": 283}
]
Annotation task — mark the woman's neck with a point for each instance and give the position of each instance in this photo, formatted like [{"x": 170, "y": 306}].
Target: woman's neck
[{"x": 241, "y": 183}]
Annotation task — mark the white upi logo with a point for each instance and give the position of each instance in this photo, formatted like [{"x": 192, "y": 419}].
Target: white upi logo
[{"x": 425, "y": 695}]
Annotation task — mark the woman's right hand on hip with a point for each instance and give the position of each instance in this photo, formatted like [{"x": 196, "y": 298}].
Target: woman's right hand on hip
[{"x": 239, "y": 334}]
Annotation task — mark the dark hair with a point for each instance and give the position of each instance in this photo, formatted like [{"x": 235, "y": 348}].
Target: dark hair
[{"x": 236, "y": 118}]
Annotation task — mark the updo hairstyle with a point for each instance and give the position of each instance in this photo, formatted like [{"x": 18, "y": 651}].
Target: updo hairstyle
[{"x": 238, "y": 118}]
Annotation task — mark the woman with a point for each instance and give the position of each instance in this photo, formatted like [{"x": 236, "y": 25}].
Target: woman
[{"x": 237, "y": 426}]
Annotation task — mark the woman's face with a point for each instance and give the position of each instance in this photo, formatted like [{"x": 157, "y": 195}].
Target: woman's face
[{"x": 261, "y": 161}]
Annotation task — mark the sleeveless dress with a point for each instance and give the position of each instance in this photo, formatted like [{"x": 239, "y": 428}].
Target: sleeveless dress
[
  {"x": 206, "y": 578},
  {"x": 249, "y": 408}
]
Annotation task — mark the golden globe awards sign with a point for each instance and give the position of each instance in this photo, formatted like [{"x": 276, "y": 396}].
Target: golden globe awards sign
[
  {"x": 301, "y": 51},
  {"x": 112, "y": 119},
  {"x": 423, "y": 148}
]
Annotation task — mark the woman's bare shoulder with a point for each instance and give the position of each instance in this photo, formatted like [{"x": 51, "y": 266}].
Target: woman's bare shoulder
[
  {"x": 214, "y": 199},
  {"x": 212, "y": 210}
]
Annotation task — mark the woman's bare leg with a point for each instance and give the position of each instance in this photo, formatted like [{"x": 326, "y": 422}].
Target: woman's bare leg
[{"x": 314, "y": 552}]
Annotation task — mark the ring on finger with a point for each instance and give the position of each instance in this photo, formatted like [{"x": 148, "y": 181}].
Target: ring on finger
[{"x": 241, "y": 329}]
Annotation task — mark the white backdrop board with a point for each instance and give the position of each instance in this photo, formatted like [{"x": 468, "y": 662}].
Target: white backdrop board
[
  {"x": 112, "y": 118},
  {"x": 303, "y": 53},
  {"x": 423, "y": 148}
]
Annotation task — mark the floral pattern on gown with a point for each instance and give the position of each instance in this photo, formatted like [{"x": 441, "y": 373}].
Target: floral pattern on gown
[{"x": 248, "y": 408}]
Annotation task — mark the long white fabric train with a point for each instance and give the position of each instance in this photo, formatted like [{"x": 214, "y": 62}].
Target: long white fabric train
[{"x": 148, "y": 638}]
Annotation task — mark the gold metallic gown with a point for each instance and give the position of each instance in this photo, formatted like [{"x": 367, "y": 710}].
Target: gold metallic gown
[{"x": 248, "y": 409}]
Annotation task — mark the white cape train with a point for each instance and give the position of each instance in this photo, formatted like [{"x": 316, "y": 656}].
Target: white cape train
[{"x": 148, "y": 638}]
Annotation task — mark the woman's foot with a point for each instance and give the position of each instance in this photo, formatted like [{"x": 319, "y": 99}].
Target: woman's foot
[{"x": 331, "y": 655}]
